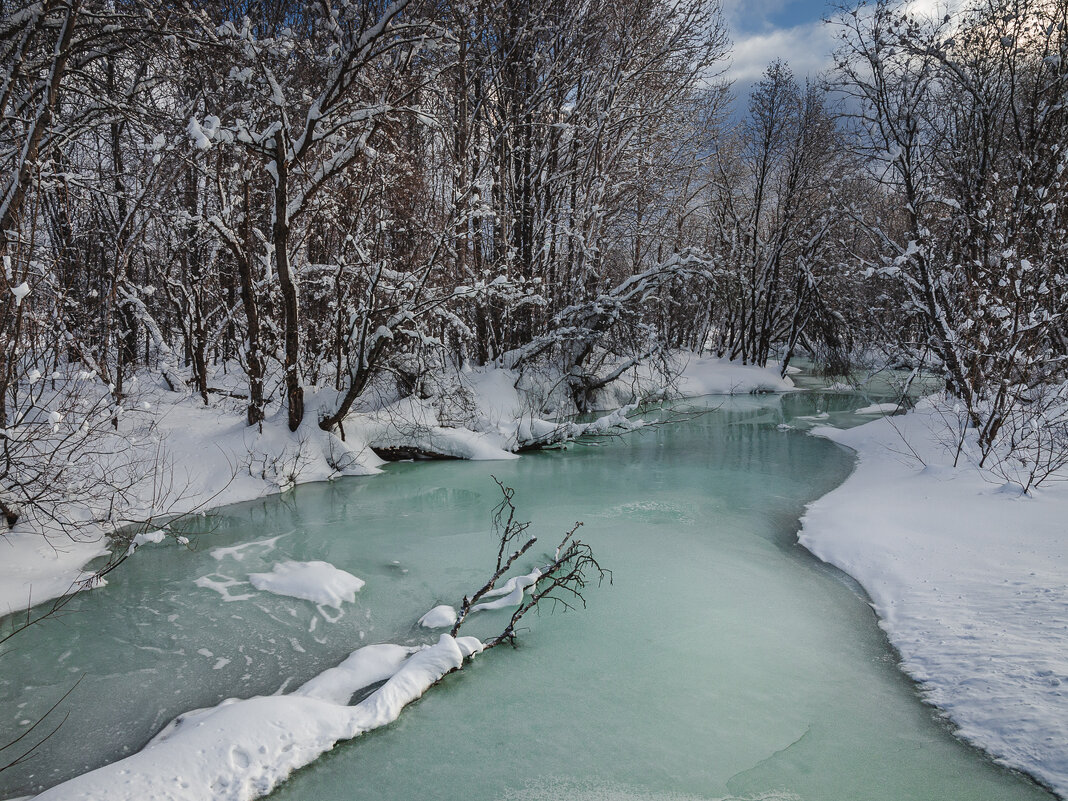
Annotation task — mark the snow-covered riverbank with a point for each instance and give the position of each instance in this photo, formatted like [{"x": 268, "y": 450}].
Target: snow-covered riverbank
[
  {"x": 208, "y": 457},
  {"x": 970, "y": 582}
]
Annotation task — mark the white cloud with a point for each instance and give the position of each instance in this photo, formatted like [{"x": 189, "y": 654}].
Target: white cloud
[{"x": 806, "y": 48}]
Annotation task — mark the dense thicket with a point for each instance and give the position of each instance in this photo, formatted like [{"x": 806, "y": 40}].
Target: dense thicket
[
  {"x": 344, "y": 196},
  {"x": 963, "y": 121}
]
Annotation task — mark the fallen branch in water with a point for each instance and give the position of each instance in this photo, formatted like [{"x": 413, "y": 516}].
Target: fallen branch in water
[{"x": 560, "y": 582}]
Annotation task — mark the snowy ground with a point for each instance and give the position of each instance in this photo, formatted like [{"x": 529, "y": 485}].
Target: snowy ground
[
  {"x": 209, "y": 457},
  {"x": 970, "y": 582}
]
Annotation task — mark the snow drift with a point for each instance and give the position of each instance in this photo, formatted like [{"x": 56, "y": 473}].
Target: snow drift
[{"x": 242, "y": 749}]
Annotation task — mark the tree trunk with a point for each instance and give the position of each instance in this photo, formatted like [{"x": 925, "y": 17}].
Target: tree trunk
[
  {"x": 254, "y": 355},
  {"x": 290, "y": 301}
]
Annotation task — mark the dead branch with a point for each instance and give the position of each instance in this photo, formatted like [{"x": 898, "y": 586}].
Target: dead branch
[{"x": 561, "y": 582}]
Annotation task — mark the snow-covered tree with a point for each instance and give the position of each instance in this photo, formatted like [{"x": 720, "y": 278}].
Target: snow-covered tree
[{"x": 963, "y": 119}]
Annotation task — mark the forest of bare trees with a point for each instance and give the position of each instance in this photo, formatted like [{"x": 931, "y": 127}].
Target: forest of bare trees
[{"x": 330, "y": 199}]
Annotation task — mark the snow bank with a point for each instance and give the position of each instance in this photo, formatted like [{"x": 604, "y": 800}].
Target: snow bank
[
  {"x": 970, "y": 582},
  {"x": 415, "y": 424},
  {"x": 486, "y": 413},
  {"x": 493, "y": 412},
  {"x": 242, "y": 749},
  {"x": 319, "y": 582},
  {"x": 691, "y": 376},
  {"x": 217, "y": 459},
  {"x": 34, "y": 569},
  {"x": 713, "y": 376}
]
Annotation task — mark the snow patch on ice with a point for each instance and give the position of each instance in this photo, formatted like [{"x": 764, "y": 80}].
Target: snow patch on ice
[
  {"x": 238, "y": 551},
  {"x": 879, "y": 408},
  {"x": 222, "y": 584},
  {"x": 318, "y": 582},
  {"x": 439, "y": 617}
]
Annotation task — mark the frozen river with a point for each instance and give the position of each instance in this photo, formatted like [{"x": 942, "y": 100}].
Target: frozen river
[{"x": 723, "y": 662}]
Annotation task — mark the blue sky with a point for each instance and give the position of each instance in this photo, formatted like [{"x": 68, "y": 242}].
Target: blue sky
[
  {"x": 763, "y": 30},
  {"x": 761, "y": 14}
]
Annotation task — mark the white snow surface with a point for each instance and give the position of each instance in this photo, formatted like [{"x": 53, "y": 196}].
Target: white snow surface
[
  {"x": 508, "y": 594},
  {"x": 34, "y": 569},
  {"x": 879, "y": 408},
  {"x": 440, "y": 617},
  {"x": 319, "y": 582},
  {"x": 970, "y": 581},
  {"x": 712, "y": 376},
  {"x": 157, "y": 536},
  {"x": 242, "y": 749},
  {"x": 20, "y": 292}
]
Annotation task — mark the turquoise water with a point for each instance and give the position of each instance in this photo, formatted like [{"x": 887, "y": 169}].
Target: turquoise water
[{"x": 723, "y": 661}]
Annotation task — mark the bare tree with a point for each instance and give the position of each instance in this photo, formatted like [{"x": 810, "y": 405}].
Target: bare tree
[{"x": 962, "y": 119}]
